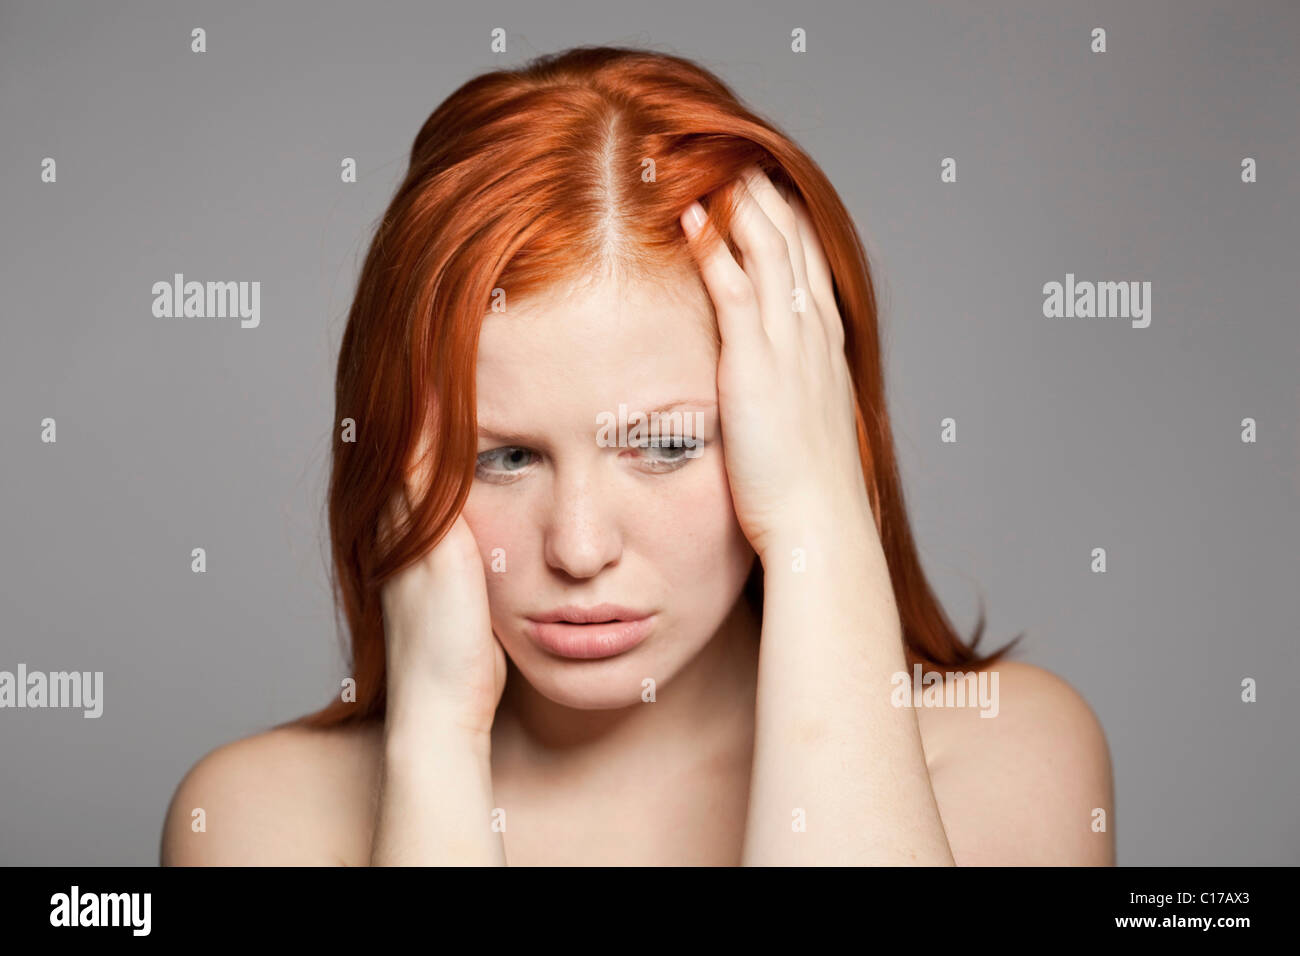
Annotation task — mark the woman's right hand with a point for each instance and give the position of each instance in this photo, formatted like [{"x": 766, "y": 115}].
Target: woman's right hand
[{"x": 443, "y": 659}]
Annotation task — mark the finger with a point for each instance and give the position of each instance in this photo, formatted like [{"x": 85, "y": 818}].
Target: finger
[
  {"x": 806, "y": 310},
  {"x": 734, "y": 299},
  {"x": 765, "y": 255},
  {"x": 819, "y": 275},
  {"x": 779, "y": 211},
  {"x": 395, "y": 517}
]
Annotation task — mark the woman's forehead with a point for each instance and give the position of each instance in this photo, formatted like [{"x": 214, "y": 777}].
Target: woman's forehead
[{"x": 612, "y": 322}]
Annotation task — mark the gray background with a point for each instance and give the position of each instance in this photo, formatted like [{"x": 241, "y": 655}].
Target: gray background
[{"x": 1072, "y": 434}]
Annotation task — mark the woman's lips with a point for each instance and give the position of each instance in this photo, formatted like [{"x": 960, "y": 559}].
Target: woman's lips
[{"x": 590, "y": 641}]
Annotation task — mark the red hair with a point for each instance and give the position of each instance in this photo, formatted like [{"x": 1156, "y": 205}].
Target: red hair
[{"x": 521, "y": 180}]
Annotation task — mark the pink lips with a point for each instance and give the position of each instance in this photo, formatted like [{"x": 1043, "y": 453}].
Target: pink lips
[{"x": 590, "y": 633}]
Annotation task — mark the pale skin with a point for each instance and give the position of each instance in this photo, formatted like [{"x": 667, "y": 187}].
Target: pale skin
[{"x": 788, "y": 750}]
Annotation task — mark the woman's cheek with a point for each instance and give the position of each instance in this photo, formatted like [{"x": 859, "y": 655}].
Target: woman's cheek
[
  {"x": 727, "y": 549},
  {"x": 492, "y": 531},
  {"x": 698, "y": 528}
]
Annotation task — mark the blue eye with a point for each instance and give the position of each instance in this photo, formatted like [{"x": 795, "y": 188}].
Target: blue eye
[
  {"x": 670, "y": 453},
  {"x": 505, "y": 460},
  {"x": 669, "y": 444}
]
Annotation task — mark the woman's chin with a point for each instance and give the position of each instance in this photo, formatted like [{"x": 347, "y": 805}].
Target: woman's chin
[{"x": 607, "y": 684}]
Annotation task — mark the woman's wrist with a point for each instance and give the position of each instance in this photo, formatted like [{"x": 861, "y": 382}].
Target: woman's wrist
[
  {"x": 431, "y": 762},
  {"x": 818, "y": 527},
  {"x": 417, "y": 723}
]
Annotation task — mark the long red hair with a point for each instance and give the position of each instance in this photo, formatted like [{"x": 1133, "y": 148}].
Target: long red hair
[{"x": 520, "y": 180}]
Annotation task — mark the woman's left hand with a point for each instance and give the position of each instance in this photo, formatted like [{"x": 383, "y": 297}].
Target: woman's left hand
[{"x": 785, "y": 395}]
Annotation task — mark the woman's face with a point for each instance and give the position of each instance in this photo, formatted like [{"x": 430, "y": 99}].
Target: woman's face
[{"x": 567, "y": 518}]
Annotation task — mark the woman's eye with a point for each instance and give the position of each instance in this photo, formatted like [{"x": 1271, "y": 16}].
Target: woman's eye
[
  {"x": 664, "y": 453},
  {"x": 503, "y": 461},
  {"x": 668, "y": 449}
]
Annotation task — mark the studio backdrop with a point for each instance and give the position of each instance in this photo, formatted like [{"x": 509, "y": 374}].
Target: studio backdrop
[{"x": 1117, "y": 481}]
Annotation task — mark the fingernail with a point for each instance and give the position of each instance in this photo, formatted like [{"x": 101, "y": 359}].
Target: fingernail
[{"x": 694, "y": 218}]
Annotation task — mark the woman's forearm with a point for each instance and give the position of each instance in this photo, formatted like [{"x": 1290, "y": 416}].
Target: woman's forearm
[
  {"x": 839, "y": 773},
  {"x": 435, "y": 794}
]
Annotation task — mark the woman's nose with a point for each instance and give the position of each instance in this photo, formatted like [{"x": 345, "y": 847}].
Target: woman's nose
[{"x": 582, "y": 533}]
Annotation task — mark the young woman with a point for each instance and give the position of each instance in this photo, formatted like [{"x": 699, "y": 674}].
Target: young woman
[{"x": 576, "y": 644}]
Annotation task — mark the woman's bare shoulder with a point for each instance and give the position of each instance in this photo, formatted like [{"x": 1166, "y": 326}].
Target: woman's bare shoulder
[
  {"x": 287, "y": 796},
  {"x": 1023, "y": 776}
]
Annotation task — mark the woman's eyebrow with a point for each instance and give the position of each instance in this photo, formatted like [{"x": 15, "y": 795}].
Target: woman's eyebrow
[
  {"x": 669, "y": 406},
  {"x": 506, "y": 435},
  {"x": 501, "y": 434}
]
